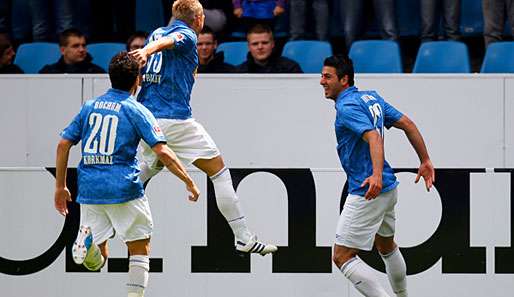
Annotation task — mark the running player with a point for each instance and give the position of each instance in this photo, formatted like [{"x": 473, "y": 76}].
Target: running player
[
  {"x": 368, "y": 215},
  {"x": 171, "y": 61},
  {"x": 111, "y": 194}
]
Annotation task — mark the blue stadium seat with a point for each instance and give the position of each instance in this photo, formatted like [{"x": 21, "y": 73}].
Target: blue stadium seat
[
  {"x": 499, "y": 58},
  {"x": 376, "y": 56},
  {"x": 309, "y": 54},
  {"x": 31, "y": 57},
  {"x": 149, "y": 15},
  {"x": 235, "y": 52},
  {"x": 442, "y": 57},
  {"x": 102, "y": 53}
]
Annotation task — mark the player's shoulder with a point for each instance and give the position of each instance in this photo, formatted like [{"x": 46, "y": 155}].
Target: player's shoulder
[{"x": 135, "y": 108}]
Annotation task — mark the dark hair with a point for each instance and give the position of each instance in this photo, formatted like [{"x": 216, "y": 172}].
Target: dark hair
[
  {"x": 123, "y": 71},
  {"x": 208, "y": 30},
  {"x": 66, "y": 34},
  {"x": 343, "y": 65},
  {"x": 137, "y": 34},
  {"x": 259, "y": 28},
  {"x": 5, "y": 43}
]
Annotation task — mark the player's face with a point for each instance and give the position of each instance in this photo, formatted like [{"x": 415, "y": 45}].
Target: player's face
[
  {"x": 75, "y": 51},
  {"x": 137, "y": 43},
  {"x": 206, "y": 46},
  {"x": 332, "y": 85},
  {"x": 261, "y": 46},
  {"x": 7, "y": 57},
  {"x": 199, "y": 22}
]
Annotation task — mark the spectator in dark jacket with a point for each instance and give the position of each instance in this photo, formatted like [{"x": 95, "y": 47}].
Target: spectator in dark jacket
[
  {"x": 75, "y": 58},
  {"x": 209, "y": 60},
  {"x": 136, "y": 41},
  {"x": 261, "y": 58},
  {"x": 7, "y": 56}
]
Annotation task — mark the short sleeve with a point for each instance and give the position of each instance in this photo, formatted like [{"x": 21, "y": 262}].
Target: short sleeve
[
  {"x": 73, "y": 132},
  {"x": 355, "y": 118},
  {"x": 183, "y": 41},
  {"x": 391, "y": 115},
  {"x": 146, "y": 125}
]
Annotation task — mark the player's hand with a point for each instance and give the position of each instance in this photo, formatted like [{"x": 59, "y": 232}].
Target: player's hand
[
  {"x": 194, "y": 192},
  {"x": 278, "y": 10},
  {"x": 140, "y": 55},
  {"x": 62, "y": 196},
  {"x": 238, "y": 12},
  {"x": 375, "y": 186},
  {"x": 426, "y": 170}
]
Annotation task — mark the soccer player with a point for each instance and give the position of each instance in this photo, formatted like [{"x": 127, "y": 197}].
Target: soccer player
[
  {"x": 368, "y": 215},
  {"x": 171, "y": 61},
  {"x": 111, "y": 194}
]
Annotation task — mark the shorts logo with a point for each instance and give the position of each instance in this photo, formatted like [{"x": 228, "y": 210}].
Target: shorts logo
[{"x": 157, "y": 129}]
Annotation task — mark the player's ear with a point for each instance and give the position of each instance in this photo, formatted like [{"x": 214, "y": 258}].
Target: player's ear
[{"x": 344, "y": 80}]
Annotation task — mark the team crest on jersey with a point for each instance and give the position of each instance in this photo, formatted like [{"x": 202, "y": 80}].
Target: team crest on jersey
[
  {"x": 177, "y": 36},
  {"x": 157, "y": 129}
]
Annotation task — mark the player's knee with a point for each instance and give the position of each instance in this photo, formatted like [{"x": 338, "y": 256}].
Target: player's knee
[
  {"x": 342, "y": 256},
  {"x": 385, "y": 245}
]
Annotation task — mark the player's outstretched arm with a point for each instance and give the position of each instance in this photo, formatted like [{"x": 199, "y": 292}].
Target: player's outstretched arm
[
  {"x": 62, "y": 194},
  {"x": 376, "y": 150},
  {"x": 141, "y": 55},
  {"x": 426, "y": 169},
  {"x": 170, "y": 160}
]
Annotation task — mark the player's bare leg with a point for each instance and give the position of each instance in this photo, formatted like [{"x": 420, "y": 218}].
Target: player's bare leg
[
  {"x": 228, "y": 204},
  {"x": 139, "y": 266},
  {"x": 394, "y": 263},
  {"x": 357, "y": 272}
]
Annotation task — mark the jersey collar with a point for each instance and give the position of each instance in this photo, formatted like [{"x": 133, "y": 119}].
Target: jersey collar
[
  {"x": 347, "y": 92},
  {"x": 118, "y": 93}
]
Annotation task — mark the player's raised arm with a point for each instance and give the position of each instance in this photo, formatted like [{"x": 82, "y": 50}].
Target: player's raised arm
[
  {"x": 426, "y": 169},
  {"x": 170, "y": 160},
  {"x": 376, "y": 150},
  {"x": 141, "y": 55},
  {"x": 62, "y": 194}
]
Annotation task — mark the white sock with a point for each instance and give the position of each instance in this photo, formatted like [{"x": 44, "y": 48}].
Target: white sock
[
  {"x": 139, "y": 266},
  {"x": 228, "y": 204},
  {"x": 396, "y": 272},
  {"x": 94, "y": 259},
  {"x": 146, "y": 172},
  {"x": 362, "y": 278}
]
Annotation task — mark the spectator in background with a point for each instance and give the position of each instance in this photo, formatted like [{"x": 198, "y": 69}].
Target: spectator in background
[
  {"x": 431, "y": 10},
  {"x": 254, "y": 12},
  {"x": 209, "y": 60},
  {"x": 75, "y": 58},
  {"x": 136, "y": 41},
  {"x": 40, "y": 20},
  {"x": 261, "y": 58},
  {"x": 7, "y": 56},
  {"x": 495, "y": 14},
  {"x": 354, "y": 19},
  {"x": 298, "y": 18},
  {"x": 5, "y": 9}
]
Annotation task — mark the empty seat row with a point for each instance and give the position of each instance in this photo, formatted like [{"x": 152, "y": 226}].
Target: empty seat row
[
  {"x": 31, "y": 57},
  {"x": 383, "y": 56}
]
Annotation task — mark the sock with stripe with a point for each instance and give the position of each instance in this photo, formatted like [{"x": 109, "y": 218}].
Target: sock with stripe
[
  {"x": 228, "y": 204},
  {"x": 396, "y": 272},
  {"x": 362, "y": 278},
  {"x": 139, "y": 266}
]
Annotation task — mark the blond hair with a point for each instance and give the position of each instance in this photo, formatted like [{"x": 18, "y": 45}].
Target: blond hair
[{"x": 186, "y": 10}]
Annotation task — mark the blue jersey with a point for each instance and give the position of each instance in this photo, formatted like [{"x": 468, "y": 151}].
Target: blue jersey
[
  {"x": 110, "y": 128},
  {"x": 358, "y": 112},
  {"x": 169, "y": 75}
]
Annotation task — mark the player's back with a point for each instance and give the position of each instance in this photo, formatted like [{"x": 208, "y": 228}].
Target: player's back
[
  {"x": 110, "y": 128},
  {"x": 169, "y": 75}
]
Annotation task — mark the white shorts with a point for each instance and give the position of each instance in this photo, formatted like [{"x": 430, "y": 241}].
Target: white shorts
[
  {"x": 186, "y": 138},
  {"x": 362, "y": 219},
  {"x": 131, "y": 220}
]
